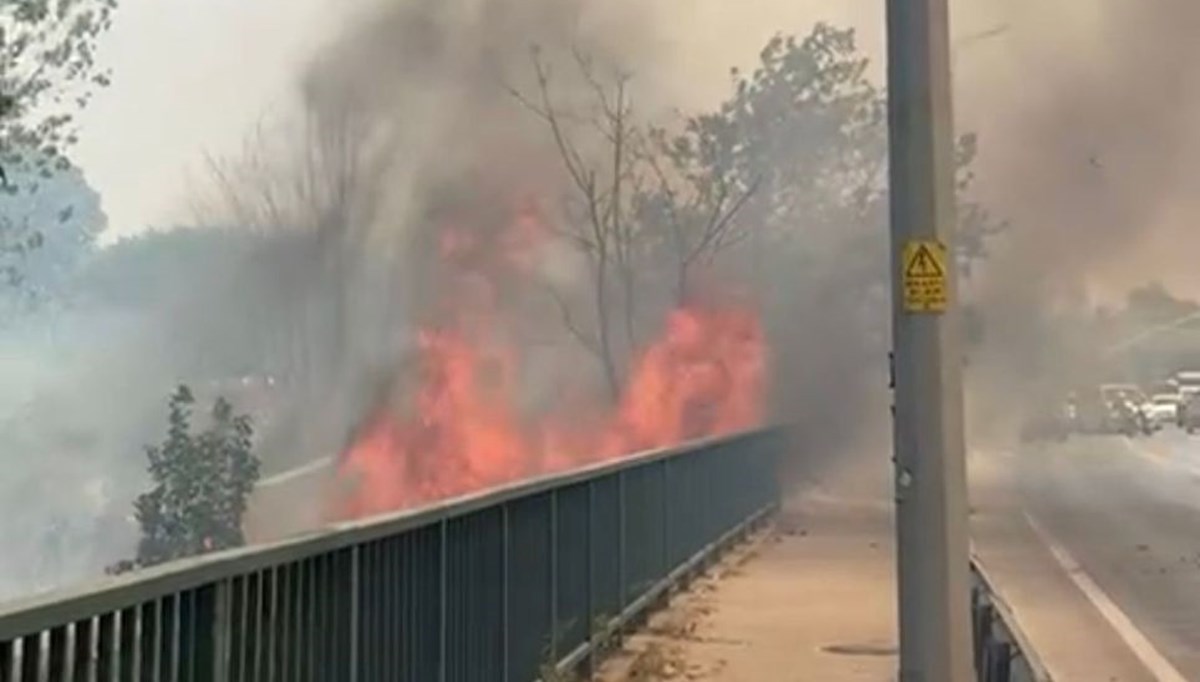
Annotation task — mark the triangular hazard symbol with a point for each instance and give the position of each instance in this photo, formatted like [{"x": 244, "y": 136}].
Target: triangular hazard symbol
[{"x": 923, "y": 264}]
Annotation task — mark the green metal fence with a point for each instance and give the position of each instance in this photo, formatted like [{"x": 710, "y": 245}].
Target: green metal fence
[{"x": 489, "y": 588}]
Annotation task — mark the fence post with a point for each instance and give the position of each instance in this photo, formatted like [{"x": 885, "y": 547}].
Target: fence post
[
  {"x": 355, "y": 610},
  {"x": 443, "y": 644},
  {"x": 220, "y": 632},
  {"x": 505, "y": 577},
  {"x": 554, "y": 574},
  {"x": 622, "y": 555},
  {"x": 590, "y": 608},
  {"x": 666, "y": 527}
]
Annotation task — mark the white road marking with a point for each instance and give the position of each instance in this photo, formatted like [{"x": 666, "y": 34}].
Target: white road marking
[
  {"x": 1137, "y": 642},
  {"x": 1165, "y": 460},
  {"x": 1146, "y": 453},
  {"x": 285, "y": 476}
]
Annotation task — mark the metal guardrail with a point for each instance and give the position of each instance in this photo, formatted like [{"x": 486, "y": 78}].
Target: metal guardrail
[
  {"x": 490, "y": 587},
  {"x": 1002, "y": 652}
]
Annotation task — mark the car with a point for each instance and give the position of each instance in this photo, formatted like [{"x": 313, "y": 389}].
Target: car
[
  {"x": 1126, "y": 417},
  {"x": 1162, "y": 409},
  {"x": 1126, "y": 410},
  {"x": 1189, "y": 415}
]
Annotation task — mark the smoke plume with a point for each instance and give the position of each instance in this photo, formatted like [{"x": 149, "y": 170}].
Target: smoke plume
[
  {"x": 406, "y": 121},
  {"x": 1085, "y": 112}
]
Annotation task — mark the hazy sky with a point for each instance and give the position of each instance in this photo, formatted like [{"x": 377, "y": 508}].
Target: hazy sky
[
  {"x": 191, "y": 76},
  {"x": 194, "y": 76}
]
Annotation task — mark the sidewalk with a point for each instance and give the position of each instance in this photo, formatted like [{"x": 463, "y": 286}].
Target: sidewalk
[
  {"x": 813, "y": 600},
  {"x": 810, "y": 600}
]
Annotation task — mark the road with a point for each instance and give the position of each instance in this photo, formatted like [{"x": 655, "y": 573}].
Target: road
[{"x": 1126, "y": 515}]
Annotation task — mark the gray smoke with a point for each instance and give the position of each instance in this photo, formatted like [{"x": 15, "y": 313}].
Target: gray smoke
[
  {"x": 1090, "y": 151},
  {"x": 405, "y": 119},
  {"x": 1095, "y": 152}
]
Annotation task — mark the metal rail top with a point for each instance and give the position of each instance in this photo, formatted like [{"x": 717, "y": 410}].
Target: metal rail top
[{"x": 18, "y": 618}]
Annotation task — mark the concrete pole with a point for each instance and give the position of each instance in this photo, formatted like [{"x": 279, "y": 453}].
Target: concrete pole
[{"x": 931, "y": 499}]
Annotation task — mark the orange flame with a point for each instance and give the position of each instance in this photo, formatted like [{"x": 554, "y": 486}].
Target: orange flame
[{"x": 461, "y": 431}]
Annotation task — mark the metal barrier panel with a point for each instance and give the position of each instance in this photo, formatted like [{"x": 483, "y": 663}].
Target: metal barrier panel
[
  {"x": 1002, "y": 653},
  {"x": 501, "y": 586}
]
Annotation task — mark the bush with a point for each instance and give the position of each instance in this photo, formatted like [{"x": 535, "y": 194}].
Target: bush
[{"x": 201, "y": 485}]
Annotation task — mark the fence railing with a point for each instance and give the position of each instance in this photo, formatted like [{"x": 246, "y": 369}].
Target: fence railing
[
  {"x": 500, "y": 586},
  {"x": 1002, "y": 653}
]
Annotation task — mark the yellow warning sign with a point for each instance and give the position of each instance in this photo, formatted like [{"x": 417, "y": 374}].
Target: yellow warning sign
[{"x": 925, "y": 277}]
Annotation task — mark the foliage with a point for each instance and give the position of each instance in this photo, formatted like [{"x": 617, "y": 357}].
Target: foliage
[
  {"x": 808, "y": 130},
  {"x": 635, "y": 206},
  {"x": 806, "y": 124},
  {"x": 976, "y": 224},
  {"x": 201, "y": 484},
  {"x": 52, "y": 234},
  {"x": 48, "y": 71},
  {"x": 789, "y": 175}
]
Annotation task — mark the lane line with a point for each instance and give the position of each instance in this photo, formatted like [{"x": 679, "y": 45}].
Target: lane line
[
  {"x": 1147, "y": 454},
  {"x": 1164, "y": 460},
  {"x": 1155, "y": 662}
]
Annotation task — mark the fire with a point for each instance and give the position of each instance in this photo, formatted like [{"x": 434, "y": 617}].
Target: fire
[
  {"x": 458, "y": 428},
  {"x": 703, "y": 377}
]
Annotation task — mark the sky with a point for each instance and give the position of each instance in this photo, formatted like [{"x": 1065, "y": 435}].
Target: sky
[{"x": 193, "y": 77}]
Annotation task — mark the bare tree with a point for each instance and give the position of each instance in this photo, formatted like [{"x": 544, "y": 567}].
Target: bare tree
[
  {"x": 601, "y": 149},
  {"x": 321, "y": 181},
  {"x": 694, "y": 206},
  {"x": 639, "y": 200}
]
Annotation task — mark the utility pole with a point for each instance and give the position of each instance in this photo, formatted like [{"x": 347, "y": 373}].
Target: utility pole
[{"x": 930, "y": 467}]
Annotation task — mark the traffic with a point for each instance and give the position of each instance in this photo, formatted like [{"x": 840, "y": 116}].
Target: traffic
[{"x": 1124, "y": 409}]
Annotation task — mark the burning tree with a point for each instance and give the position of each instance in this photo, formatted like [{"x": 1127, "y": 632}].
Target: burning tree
[
  {"x": 201, "y": 484},
  {"x": 638, "y": 199},
  {"x": 454, "y": 418}
]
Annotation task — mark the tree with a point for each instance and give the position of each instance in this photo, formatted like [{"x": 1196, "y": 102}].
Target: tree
[
  {"x": 48, "y": 71},
  {"x": 691, "y": 208},
  {"x": 804, "y": 134},
  {"x": 807, "y": 130},
  {"x": 599, "y": 220},
  {"x": 635, "y": 203},
  {"x": 201, "y": 485},
  {"x": 58, "y": 225}
]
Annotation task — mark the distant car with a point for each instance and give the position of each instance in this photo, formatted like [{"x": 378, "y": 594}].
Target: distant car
[
  {"x": 1127, "y": 418},
  {"x": 1162, "y": 409},
  {"x": 1189, "y": 415},
  {"x": 1127, "y": 414}
]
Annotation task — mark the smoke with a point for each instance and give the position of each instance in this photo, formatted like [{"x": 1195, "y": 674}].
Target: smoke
[
  {"x": 1089, "y": 150},
  {"x": 419, "y": 95},
  {"x": 1094, "y": 149},
  {"x": 405, "y": 121}
]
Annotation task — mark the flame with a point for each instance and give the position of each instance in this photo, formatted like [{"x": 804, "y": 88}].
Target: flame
[
  {"x": 704, "y": 377},
  {"x": 459, "y": 429}
]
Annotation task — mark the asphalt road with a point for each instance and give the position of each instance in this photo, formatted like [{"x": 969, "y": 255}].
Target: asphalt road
[{"x": 1126, "y": 513}]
